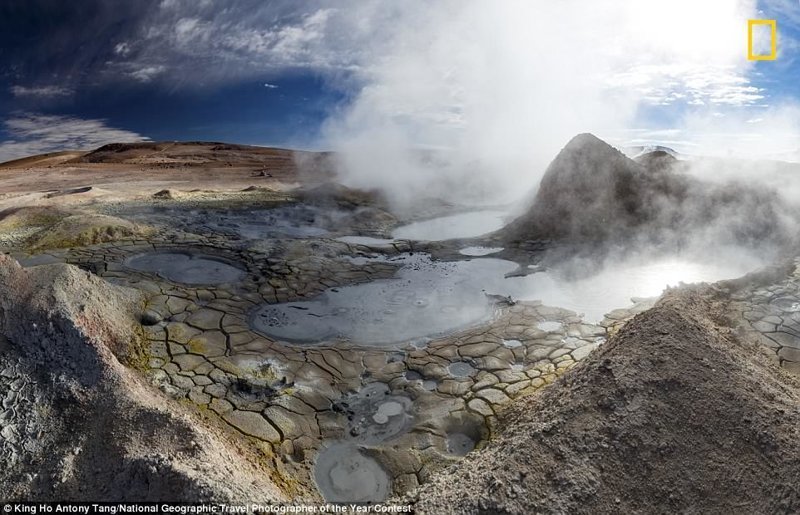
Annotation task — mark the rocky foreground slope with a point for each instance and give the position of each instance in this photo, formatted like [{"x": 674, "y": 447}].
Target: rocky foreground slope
[
  {"x": 77, "y": 424},
  {"x": 675, "y": 414}
]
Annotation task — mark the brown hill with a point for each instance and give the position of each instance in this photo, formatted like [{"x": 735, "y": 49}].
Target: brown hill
[
  {"x": 132, "y": 169},
  {"x": 49, "y": 159},
  {"x": 187, "y": 154}
]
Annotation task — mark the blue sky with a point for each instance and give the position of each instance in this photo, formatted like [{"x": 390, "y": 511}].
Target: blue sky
[{"x": 288, "y": 73}]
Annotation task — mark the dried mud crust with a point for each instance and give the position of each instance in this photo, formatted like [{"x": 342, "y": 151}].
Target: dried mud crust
[{"x": 673, "y": 414}]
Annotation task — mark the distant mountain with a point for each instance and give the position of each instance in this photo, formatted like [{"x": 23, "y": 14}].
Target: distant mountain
[{"x": 186, "y": 153}]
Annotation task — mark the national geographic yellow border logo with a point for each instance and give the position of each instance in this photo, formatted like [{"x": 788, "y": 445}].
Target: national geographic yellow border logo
[{"x": 773, "y": 40}]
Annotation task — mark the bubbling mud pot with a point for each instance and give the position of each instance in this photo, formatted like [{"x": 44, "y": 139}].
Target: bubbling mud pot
[
  {"x": 344, "y": 473},
  {"x": 426, "y": 299},
  {"x": 187, "y": 268}
]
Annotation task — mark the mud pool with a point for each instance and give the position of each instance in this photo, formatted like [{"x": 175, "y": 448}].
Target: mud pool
[
  {"x": 431, "y": 298},
  {"x": 479, "y": 251},
  {"x": 187, "y": 268},
  {"x": 344, "y": 473},
  {"x": 297, "y": 221}
]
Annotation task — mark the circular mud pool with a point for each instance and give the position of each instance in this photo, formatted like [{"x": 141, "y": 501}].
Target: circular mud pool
[
  {"x": 460, "y": 369},
  {"x": 343, "y": 473},
  {"x": 186, "y": 268},
  {"x": 425, "y": 299}
]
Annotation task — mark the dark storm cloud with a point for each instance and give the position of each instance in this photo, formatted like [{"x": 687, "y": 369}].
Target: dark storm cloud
[
  {"x": 46, "y": 44},
  {"x": 197, "y": 42},
  {"x": 49, "y": 48}
]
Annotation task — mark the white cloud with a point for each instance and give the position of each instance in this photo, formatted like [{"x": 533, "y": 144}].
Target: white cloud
[
  {"x": 122, "y": 49},
  {"x": 775, "y": 130},
  {"x": 146, "y": 73},
  {"x": 752, "y": 133},
  {"x": 697, "y": 84},
  {"x": 33, "y": 133},
  {"x": 40, "y": 91},
  {"x": 270, "y": 86},
  {"x": 202, "y": 43}
]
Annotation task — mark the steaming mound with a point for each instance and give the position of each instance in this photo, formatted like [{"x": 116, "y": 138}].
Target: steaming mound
[
  {"x": 333, "y": 195},
  {"x": 674, "y": 414},
  {"x": 76, "y": 423},
  {"x": 592, "y": 192}
]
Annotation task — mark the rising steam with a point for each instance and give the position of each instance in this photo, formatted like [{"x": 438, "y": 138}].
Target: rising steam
[{"x": 470, "y": 99}]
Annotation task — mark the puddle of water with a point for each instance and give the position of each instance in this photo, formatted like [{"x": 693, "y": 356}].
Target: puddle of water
[
  {"x": 345, "y": 474},
  {"x": 186, "y": 268},
  {"x": 432, "y": 298},
  {"x": 464, "y": 225},
  {"x": 479, "y": 251}
]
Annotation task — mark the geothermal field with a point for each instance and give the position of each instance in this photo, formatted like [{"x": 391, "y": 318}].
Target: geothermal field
[{"x": 209, "y": 322}]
